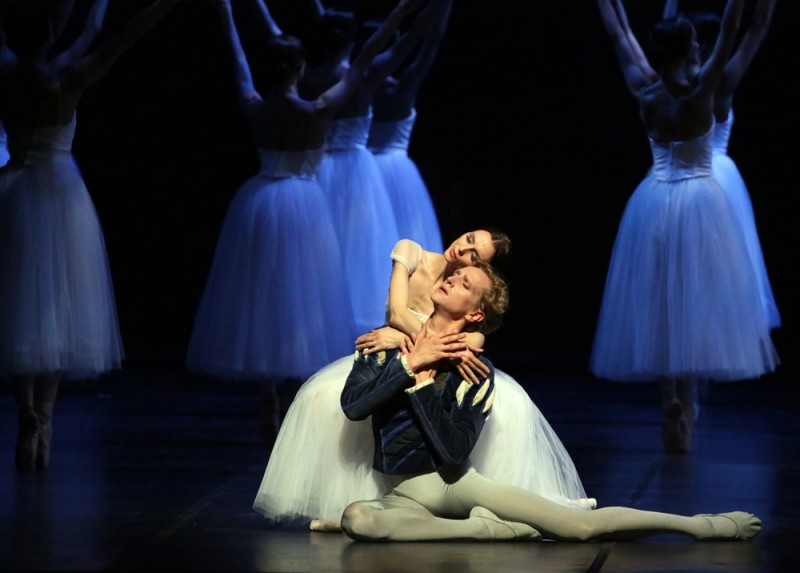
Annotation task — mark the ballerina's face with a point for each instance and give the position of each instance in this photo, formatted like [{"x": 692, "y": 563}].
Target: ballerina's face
[{"x": 471, "y": 248}]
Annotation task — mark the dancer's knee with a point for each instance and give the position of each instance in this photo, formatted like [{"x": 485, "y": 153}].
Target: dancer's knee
[{"x": 359, "y": 522}]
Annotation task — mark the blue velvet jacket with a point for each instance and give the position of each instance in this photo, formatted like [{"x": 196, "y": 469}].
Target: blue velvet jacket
[{"x": 417, "y": 429}]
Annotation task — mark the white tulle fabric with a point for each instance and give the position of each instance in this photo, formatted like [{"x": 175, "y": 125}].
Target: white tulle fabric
[
  {"x": 414, "y": 210},
  {"x": 681, "y": 297},
  {"x": 4, "y": 156},
  {"x": 517, "y": 446},
  {"x": 321, "y": 461},
  {"x": 275, "y": 302},
  {"x": 57, "y": 307},
  {"x": 729, "y": 177},
  {"x": 363, "y": 216}
]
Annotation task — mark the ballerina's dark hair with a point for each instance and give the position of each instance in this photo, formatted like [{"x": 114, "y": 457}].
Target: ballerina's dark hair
[
  {"x": 670, "y": 40},
  {"x": 283, "y": 57}
]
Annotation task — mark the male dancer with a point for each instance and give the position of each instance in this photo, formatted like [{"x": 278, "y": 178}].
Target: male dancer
[{"x": 426, "y": 421}]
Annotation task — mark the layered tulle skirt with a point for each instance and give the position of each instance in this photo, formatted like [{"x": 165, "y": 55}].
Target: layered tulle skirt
[
  {"x": 727, "y": 173},
  {"x": 275, "y": 303},
  {"x": 414, "y": 211},
  {"x": 365, "y": 225},
  {"x": 681, "y": 297},
  {"x": 321, "y": 461},
  {"x": 57, "y": 307}
]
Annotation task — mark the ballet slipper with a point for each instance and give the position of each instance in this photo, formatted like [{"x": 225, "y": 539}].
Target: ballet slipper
[
  {"x": 325, "y": 526},
  {"x": 745, "y": 525},
  {"x": 43, "y": 446},
  {"x": 674, "y": 430},
  {"x": 500, "y": 529},
  {"x": 27, "y": 441}
]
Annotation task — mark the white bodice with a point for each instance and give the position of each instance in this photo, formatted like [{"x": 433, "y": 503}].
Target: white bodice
[
  {"x": 388, "y": 136},
  {"x": 348, "y": 133},
  {"x": 28, "y": 146},
  {"x": 676, "y": 160},
  {"x": 285, "y": 164},
  {"x": 722, "y": 134}
]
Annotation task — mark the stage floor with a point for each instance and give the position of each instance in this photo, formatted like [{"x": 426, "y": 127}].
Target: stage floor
[{"x": 153, "y": 469}]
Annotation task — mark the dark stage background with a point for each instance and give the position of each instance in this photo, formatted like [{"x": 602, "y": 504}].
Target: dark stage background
[{"x": 523, "y": 123}]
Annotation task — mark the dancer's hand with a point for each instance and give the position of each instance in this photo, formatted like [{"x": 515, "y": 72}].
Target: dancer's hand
[
  {"x": 431, "y": 347},
  {"x": 384, "y": 338},
  {"x": 471, "y": 368}
]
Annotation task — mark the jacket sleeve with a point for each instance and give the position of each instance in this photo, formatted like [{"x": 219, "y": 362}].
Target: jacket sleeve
[
  {"x": 452, "y": 420},
  {"x": 373, "y": 381}
]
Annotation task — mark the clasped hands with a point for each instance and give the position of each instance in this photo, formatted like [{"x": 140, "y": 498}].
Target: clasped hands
[{"x": 425, "y": 349}]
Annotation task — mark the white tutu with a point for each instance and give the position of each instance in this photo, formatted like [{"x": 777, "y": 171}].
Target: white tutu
[
  {"x": 413, "y": 208},
  {"x": 363, "y": 217},
  {"x": 275, "y": 302},
  {"x": 321, "y": 461},
  {"x": 4, "y": 156},
  {"x": 57, "y": 308},
  {"x": 681, "y": 297},
  {"x": 731, "y": 181}
]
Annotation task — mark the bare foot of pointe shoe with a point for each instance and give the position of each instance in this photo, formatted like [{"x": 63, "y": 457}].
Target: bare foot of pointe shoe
[
  {"x": 325, "y": 526},
  {"x": 500, "y": 529},
  {"x": 45, "y": 436},
  {"x": 27, "y": 442},
  {"x": 731, "y": 525},
  {"x": 674, "y": 430}
]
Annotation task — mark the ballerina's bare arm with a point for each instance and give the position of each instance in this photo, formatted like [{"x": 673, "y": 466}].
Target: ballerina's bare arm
[
  {"x": 751, "y": 41},
  {"x": 403, "y": 322},
  {"x": 713, "y": 68},
  {"x": 410, "y": 78},
  {"x": 334, "y": 97},
  {"x": 78, "y": 48},
  {"x": 94, "y": 65},
  {"x": 636, "y": 50},
  {"x": 269, "y": 26},
  {"x": 243, "y": 79},
  {"x": 614, "y": 19}
]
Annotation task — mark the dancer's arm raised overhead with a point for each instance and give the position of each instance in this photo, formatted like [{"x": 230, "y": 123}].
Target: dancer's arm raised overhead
[
  {"x": 741, "y": 59},
  {"x": 93, "y": 66},
  {"x": 81, "y": 44},
  {"x": 634, "y": 65}
]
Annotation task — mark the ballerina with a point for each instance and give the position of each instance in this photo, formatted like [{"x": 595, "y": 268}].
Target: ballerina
[
  {"x": 57, "y": 311},
  {"x": 725, "y": 169},
  {"x": 275, "y": 305},
  {"x": 681, "y": 300},
  {"x": 394, "y": 116},
  {"x": 336, "y": 469},
  {"x": 363, "y": 212}
]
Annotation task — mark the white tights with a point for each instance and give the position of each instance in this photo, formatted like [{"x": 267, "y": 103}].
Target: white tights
[{"x": 425, "y": 507}]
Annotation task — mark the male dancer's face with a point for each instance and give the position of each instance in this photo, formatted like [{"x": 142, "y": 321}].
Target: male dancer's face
[{"x": 460, "y": 293}]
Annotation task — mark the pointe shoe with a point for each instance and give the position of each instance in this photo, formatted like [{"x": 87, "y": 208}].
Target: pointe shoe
[
  {"x": 746, "y": 525},
  {"x": 325, "y": 526},
  {"x": 675, "y": 431},
  {"x": 500, "y": 529},
  {"x": 27, "y": 442},
  {"x": 43, "y": 446}
]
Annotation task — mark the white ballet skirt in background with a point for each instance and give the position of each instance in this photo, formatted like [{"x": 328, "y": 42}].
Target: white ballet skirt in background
[
  {"x": 727, "y": 173},
  {"x": 321, "y": 461},
  {"x": 363, "y": 216},
  {"x": 681, "y": 297},
  {"x": 57, "y": 307},
  {"x": 413, "y": 208},
  {"x": 275, "y": 302},
  {"x": 4, "y": 156}
]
